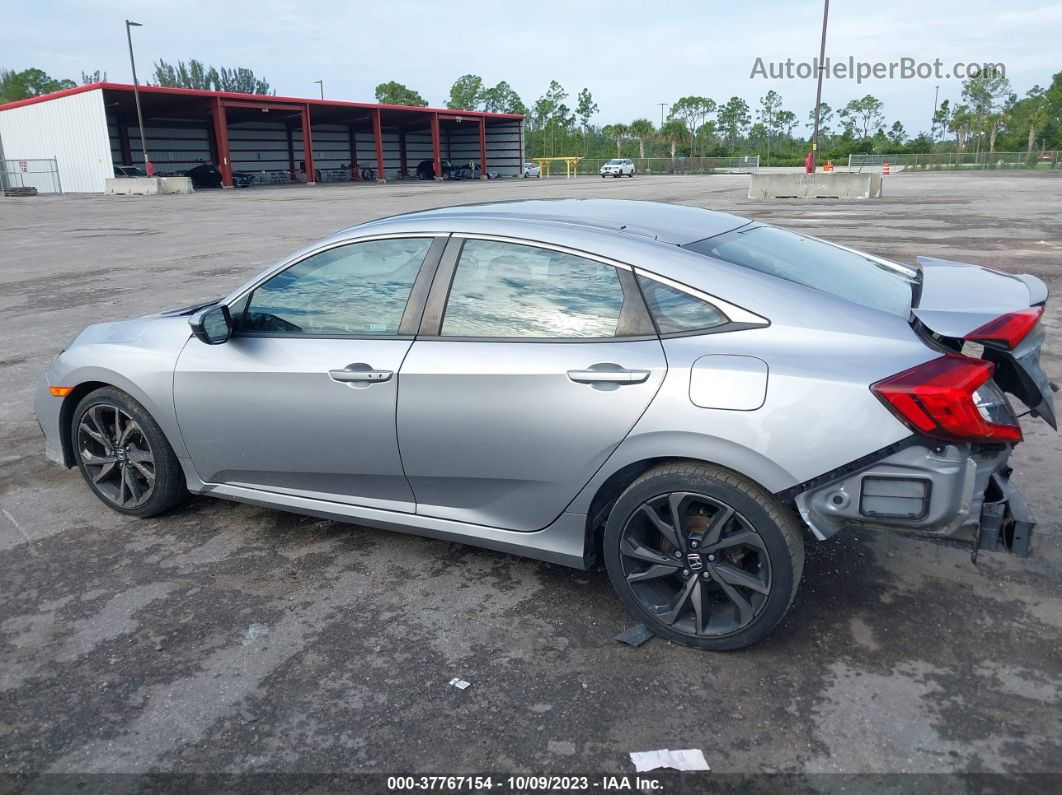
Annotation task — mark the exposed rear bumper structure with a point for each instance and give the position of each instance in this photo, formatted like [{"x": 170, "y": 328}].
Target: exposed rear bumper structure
[{"x": 957, "y": 492}]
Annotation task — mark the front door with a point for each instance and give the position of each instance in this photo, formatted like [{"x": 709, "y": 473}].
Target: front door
[
  {"x": 540, "y": 365},
  {"x": 301, "y": 400}
]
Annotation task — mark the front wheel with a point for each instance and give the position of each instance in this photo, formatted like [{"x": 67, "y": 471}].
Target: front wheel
[
  {"x": 703, "y": 556},
  {"x": 124, "y": 456}
]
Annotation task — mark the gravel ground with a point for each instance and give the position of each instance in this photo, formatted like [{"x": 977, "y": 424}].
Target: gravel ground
[{"x": 228, "y": 638}]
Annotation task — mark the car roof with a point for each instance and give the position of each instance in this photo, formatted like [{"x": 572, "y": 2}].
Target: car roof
[{"x": 667, "y": 223}]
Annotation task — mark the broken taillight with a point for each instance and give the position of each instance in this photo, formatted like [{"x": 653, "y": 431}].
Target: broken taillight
[
  {"x": 951, "y": 398},
  {"x": 1008, "y": 329}
]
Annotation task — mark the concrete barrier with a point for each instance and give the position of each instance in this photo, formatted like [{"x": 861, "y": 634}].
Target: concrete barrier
[
  {"x": 148, "y": 186},
  {"x": 833, "y": 185}
]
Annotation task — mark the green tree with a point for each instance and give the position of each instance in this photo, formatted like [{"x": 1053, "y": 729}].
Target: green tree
[
  {"x": 1031, "y": 115},
  {"x": 864, "y": 116},
  {"x": 941, "y": 118},
  {"x": 673, "y": 131},
  {"x": 617, "y": 132},
  {"x": 825, "y": 120},
  {"x": 88, "y": 78},
  {"x": 585, "y": 108},
  {"x": 198, "y": 75},
  {"x": 897, "y": 134},
  {"x": 770, "y": 106},
  {"x": 503, "y": 99},
  {"x": 466, "y": 93},
  {"x": 29, "y": 83},
  {"x": 692, "y": 110},
  {"x": 394, "y": 93},
  {"x": 988, "y": 95},
  {"x": 733, "y": 119},
  {"x": 786, "y": 122},
  {"x": 642, "y": 129}
]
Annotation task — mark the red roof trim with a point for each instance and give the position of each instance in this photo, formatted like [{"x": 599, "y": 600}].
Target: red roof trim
[{"x": 191, "y": 92}]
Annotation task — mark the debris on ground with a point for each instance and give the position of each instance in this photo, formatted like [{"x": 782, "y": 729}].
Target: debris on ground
[
  {"x": 460, "y": 684},
  {"x": 254, "y": 632},
  {"x": 688, "y": 759},
  {"x": 635, "y": 636}
]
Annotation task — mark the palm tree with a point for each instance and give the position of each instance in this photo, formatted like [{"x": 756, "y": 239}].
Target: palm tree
[
  {"x": 642, "y": 129},
  {"x": 673, "y": 131},
  {"x": 618, "y": 132}
]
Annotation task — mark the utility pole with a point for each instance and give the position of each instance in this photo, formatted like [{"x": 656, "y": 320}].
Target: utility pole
[
  {"x": 321, "y": 84},
  {"x": 662, "y": 106},
  {"x": 933, "y": 123},
  {"x": 818, "y": 90},
  {"x": 136, "y": 94}
]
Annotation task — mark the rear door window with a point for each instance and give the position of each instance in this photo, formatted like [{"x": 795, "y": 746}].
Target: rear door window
[
  {"x": 511, "y": 290},
  {"x": 823, "y": 266}
]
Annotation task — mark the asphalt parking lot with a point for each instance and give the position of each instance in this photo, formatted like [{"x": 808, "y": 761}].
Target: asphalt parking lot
[{"x": 224, "y": 637}]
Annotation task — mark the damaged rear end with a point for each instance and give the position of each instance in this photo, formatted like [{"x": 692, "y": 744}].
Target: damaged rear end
[{"x": 952, "y": 478}]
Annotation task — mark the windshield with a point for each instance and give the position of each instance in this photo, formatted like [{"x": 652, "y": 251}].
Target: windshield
[
  {"x": 841, "y": 272},
  {"x": 615, "y": 162}
]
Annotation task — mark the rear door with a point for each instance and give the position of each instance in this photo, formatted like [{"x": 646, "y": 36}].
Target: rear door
[{"x": 532, "y": 365}]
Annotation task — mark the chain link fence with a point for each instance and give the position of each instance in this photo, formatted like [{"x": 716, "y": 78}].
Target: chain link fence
[
  {"x": 957, "y": 161},
  {"x": 741, "y": 164},
  {"x": 20, "y": 177}
]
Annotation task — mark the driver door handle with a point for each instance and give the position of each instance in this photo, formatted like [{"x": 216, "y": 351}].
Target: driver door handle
[
  {"x": 360, "y": 374},
  {"x": 592, "y": 376}
]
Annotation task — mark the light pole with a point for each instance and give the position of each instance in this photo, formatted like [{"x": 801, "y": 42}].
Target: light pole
[
  {"x": 818, "y": 90},
  {"x": 321, "y": 84},
  {"x": 662, "y": 106},
  {"x": 136, "y": 94}
]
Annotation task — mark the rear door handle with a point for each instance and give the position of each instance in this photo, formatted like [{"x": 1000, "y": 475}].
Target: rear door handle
[
  {"x": 360, "y": 374},
  {"x": 592, "y": 376}
]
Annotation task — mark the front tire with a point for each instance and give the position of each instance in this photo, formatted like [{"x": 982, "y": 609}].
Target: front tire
[
  {"x": 703, "y": 556},
  {"x": 124, "y": 456}
]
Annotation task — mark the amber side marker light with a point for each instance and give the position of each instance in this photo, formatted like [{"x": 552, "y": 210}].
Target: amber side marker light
[{"x": 60, "y": 391}]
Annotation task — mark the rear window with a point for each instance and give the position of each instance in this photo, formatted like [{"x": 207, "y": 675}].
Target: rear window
[{"x": 796, "y": 258}]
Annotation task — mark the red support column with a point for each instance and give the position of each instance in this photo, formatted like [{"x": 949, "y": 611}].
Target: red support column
[
  {"x": 482, "y": 148},
  {"x": 377, "y": 134},
  {"x": 221, "y": 138},
  {"x": 307, "y": 147},
  {"x": 435, "y": 147}
]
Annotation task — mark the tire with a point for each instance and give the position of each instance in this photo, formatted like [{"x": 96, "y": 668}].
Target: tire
[
  {"x": 631, "y": 175},
  {"x": 602, "y": 176},
  {"x": 758, "y": 556},
  {"x": 124, "y": 456}
]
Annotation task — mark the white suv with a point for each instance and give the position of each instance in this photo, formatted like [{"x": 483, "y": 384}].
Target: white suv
[{"x": 617, "y": 167}]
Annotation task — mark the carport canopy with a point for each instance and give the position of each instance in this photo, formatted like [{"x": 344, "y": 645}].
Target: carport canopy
[{"x": 222, "y": 109}]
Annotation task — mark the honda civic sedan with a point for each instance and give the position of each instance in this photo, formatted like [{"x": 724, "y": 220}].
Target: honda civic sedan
[{"x": 686, "y": 396}]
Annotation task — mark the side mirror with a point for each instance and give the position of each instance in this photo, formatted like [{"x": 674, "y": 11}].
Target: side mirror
[{"x": 212, "y": 325}]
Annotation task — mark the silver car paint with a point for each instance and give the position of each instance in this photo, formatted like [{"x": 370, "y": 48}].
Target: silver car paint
[
  {"x": 496, "y": 433},
  {"x": 263, "y": 412},
  {"x": 958, "y": 475},
  {"x": 821, "y": 352},
  {"x": 957, "y": 298}
]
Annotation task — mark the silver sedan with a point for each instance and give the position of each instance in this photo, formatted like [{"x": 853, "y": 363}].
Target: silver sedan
[{"x": 683, "y": 395}]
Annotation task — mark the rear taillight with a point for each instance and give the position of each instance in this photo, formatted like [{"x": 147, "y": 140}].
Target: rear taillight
[
  {"x": 951, "y": 398},
  {"x": 1009, "y": 329}
]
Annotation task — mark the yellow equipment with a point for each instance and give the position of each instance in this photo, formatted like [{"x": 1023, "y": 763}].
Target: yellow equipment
[{"x": 544, "y": 163}]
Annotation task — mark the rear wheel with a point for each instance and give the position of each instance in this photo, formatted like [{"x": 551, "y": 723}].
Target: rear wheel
[
  {"x": 124, "y": 456},
  {"x": 703, "y": 556}
]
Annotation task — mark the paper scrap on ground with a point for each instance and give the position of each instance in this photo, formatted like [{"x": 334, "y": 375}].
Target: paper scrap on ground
[
  {"x": 460, "y": 684},
  {"x": 688, "y": 759}
]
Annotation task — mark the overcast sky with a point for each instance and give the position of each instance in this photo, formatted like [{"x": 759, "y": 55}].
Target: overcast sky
[{"x": 631, "y": 55}]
